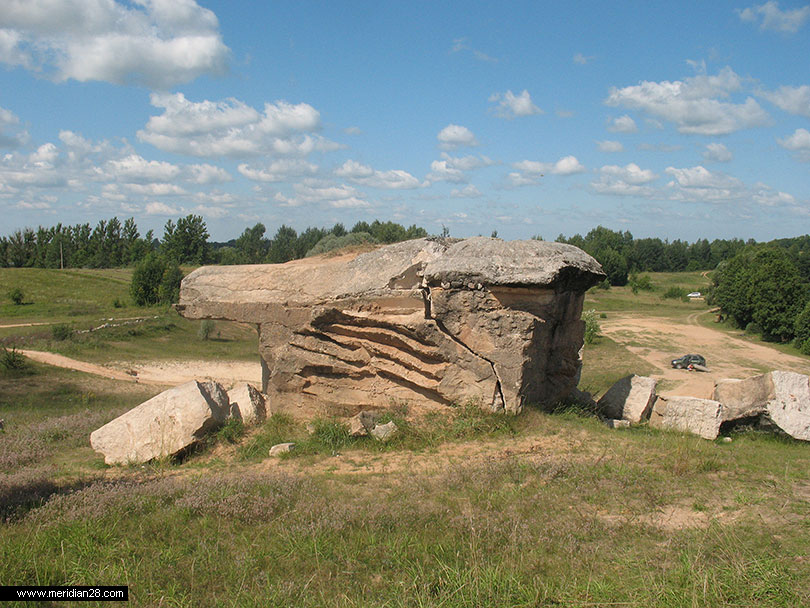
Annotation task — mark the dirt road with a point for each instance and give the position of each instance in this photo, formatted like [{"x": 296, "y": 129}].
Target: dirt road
[
  {"x": 658, "y": 341},
  {"x": 159, "y": 372}
]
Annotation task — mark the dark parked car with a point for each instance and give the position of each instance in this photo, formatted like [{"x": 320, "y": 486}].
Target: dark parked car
[{"x": 687, "y": 360}]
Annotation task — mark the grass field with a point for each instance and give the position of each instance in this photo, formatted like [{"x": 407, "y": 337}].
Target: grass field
[{"x": 466, "y": 509}]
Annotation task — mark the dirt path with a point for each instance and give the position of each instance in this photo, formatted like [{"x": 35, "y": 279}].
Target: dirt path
[
  {"x": 159, "y": 372},
  {"x": 658, "y": 341}
]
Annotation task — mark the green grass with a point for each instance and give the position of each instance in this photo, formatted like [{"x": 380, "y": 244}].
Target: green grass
[
  {"x": 463, "y": 508},
  {"x": 582, "y": 521}
]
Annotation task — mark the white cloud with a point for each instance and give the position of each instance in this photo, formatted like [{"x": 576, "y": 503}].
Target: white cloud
[
  {"x": 794, "y": 100},
  {"x": 698, "y": 184},
  {"x": 232, "y": 128},
  {"x": 443, "y": 171},
  {"x": 156, "y": 189},
  {"x": 581, "y": 59},
  {"x": 567, "y": 165},
  {"x": 463, "y": 45},
  {"x": 11, "y": 136},
  {"x": 158, "y": 208},
  {"x": 154, "y": 43},
  {"x": 136, "y": 169},
  {"x": 799, "y": 143},
  {"x": 512, "y": 106},
  {"x": 771, "y": 17},
  {"x": 279, "y": 170},
  {"x": 315, "y": 191},
  {"x": 717, "y": 152},
  {"x": 693, "y": 104},
  {"x": 208, "y": 174},
  {"x": 453, "y": 136},
  {"x": 630, "y": 180},
  {"x": 610, "y": 146},
  {"x": 394, "y": 179},
  {"x": 622, "y": 124},
  {"x": 467, "y": 163},
  {"x": 469, "y": 191}
]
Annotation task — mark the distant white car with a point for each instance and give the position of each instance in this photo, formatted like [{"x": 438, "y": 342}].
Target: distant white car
[{"x": 694, "y": 294}]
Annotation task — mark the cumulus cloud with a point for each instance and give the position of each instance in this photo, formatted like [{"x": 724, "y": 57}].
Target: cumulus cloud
[
  {"x": 454, "y": 136},
  {"x": 158, "y": 208},
  {"x": 208, "y": 174},
  {"x": 622, "y": 124},
  {"x": 512, "y": 106},
  {"x": 469, "y": 191},
  {"x": 799, "y": 143},
  {"x": 154, "y": 43},
  {"x": 315, "y": 191},
  {"x": 700, "y": 184},
  {"x": 794, "y": 100},
  {"x": 770, "y": 17},
  {"x": 444, "y": 171},
  {"x": 610, "y": 146},
  {"x": 395, "y": 179},
  {"x": 630, "y": 180},
  {"x": 136, "y": 169},
  {"x": 694, "y": 105},
  {"x": 11, "y": 136},
  {"x": 279, "y": 170},
  {"x": 232, "y": 128},
  {"x": 717, "y": 152},
  {"x": 567, "y": 165}
]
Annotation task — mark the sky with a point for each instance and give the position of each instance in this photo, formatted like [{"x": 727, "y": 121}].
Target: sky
[{"x": 674, "y": 120}]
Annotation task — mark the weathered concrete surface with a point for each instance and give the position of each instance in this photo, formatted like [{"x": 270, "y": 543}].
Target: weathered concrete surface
[
  {"x": 789, "y": 408},
  {"x": 691, "y": 414},
  {"x": 744, "y": 398},
  {"x": 164, "y": 425},
  {"x": 631, "y": 399},
  {"x": 425, "y": 321},
  {"x": 247, "y": 404}
]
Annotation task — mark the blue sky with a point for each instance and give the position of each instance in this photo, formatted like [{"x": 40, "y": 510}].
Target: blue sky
[{"x": 677, "y": 120}]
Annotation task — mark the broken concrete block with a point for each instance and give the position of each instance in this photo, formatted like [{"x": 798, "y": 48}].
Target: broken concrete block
[
  {"x": 743, "y": 398},
  {"x": 631, "y": 399},
  {"x": 247, "y": 404},
  {"x": 790, "y": 407},
  {"x": 691, "y": 414},
  {"x": 164, "y": 425}
]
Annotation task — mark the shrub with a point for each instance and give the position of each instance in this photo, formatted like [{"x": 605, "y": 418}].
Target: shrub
[
  {"x": 592, "y": 328},
  {"x": 16, "y": 296},
  {"x": 604, "y": 285},
  {"x": 12, "y": 360},
  {"x": 676, "y": 293},
  {"x": 117, "y": 303},
  {"x": 331, "y": 242},
  {"x": 155, "y": 281},
  {"x": 640, "y": 283},
  {"x": 61, "y": 331},
  {"x": 206, "y": 327}
]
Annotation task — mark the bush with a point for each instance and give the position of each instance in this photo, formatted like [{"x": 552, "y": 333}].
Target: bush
[
  {"x": 331, "y": 242},
  {"x": 801, "y": 327},
  {"x": 676, "y": 293},
  {"x": 640, "y": 283},
  {"x": 12, "y": 360},
  {"x": 206, "y": 327},
  {"x": 155, "y": 281},
  {"x": 61, "y": 332},
  {"x": 592, "y": 328},
  {"x": 16, "y": 296}
]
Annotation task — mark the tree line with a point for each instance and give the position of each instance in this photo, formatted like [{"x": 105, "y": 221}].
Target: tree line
[
  {"x": 113, "y": 244},
  {"x": 621, "y": 255}
]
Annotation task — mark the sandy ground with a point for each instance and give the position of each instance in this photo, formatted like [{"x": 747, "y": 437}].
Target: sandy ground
[
  {"x": 658, "y": 341},
  {"x": 159, "y": 372}
]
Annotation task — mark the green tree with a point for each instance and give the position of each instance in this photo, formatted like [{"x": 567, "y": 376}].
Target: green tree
[
  {"x": 282, "y": 247},
  {"x": 253, "y": 244},
  {"x": 187, "y": 241},
  {"x": 146, "y": 279}
]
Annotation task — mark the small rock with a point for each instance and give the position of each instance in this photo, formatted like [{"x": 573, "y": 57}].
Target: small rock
[
  {"x": 247, "y": 404},
  {"x": 726, "y": 439},
  {"x": 384, "y": 432},
  {"x": 281, "y": 448},
  {"x": 310, "y": 428},
  {"x": 361, "y": 424},
  {"x": 617, "y": 424}
]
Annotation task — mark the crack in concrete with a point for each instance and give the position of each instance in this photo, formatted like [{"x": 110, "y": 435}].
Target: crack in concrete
[{"x": 498, "y": 401}]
